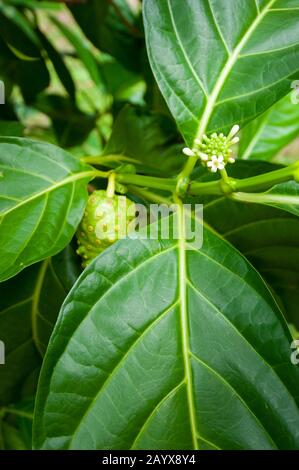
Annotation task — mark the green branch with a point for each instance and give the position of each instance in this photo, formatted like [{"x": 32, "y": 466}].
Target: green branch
[
  {"x": 222, "y": 186},
  {"x": 166, "y": 184},
  {"x": 103, "y": 160},
  {"x": 252, "y": 184},
  {"x": 149, "y": 196}
]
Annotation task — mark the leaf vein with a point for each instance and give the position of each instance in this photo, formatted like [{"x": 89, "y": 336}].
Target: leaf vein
[
  {"x": 183, "y": 49},
  {"x": 119, "y": 364}
]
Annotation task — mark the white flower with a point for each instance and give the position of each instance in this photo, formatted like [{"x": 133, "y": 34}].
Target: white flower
[
  {"x": 235, "y": 140},
  {"x": 203, "y": 156},
  {"x": 214, "y": 151},
  {"x": 234, "y": 130},
  {"x": 188, "y": 152},
  {"x": 216, "y": 163}
]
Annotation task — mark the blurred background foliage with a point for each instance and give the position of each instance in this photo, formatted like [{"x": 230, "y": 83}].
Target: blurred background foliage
[{"x": 70, "y": 67}]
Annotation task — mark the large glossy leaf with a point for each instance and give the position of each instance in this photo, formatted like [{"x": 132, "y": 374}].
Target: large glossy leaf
[
  {"x": 221, "y": 63},
  {"x": 42, "y": 199},
  {"x": 29, "y": 305},
  {"x": 195, "y": 357},
  {"x": 147, "y": 140},
  {"x": 264, "y": 137},
  {"x": 269, "y": 238}
]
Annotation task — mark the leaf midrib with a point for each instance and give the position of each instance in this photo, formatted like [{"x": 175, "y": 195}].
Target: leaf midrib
[
  {"x": 238, "y": 332},
  {"x": 185, "y": 321},
  {"x": 120, "y": 362}
]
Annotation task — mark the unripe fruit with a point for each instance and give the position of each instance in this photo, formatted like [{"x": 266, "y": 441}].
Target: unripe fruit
[{"x": 105, "y": 221}]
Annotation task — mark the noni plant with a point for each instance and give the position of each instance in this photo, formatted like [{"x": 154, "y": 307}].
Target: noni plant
[{"x": 117, "y": 331}]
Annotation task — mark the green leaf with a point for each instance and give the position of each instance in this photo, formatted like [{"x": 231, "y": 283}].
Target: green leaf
[
  {"x": 149, "y": 140},
  {"x": 20, "y": 417},
  {"x": 11, "y": 128},
  {"x": 83, "y": 51},
  {"x": 59, "y": 65},
  {"x": 29, "y": 305},
  {"x": 32, "y": 76},
  {"x": 11, "y": 438},
  {"x": 18, "y": 33},
  {"x": 221, "y": 63},
  {"x": 111, "y": 26},
  {"x": 269, "y": 238},
  {"x": 38, "y": 4},
  {"x": 71, "y": 125},
  {"x": 263, "y": 138},
  {"x": 123, "y": 84},
  {"x": 42, "y": 199},
  {"x": 198, "y": 356}
]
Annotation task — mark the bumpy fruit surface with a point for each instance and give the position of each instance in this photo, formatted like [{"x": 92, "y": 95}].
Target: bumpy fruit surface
[{"x": 105, "y": 220}]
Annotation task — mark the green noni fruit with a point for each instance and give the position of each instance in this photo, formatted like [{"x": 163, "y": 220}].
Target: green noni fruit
[{"x": 105, "y": 220}]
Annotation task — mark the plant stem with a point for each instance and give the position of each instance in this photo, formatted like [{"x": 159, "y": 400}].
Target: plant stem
[
  {"x": 13, "y": 411},
  {"x": 211, "y": 187},
  {"x": 188, "y": 168},
  {"x": 225, "y": 185},
  {"x": 224, "y": 175},
  {"x": 166, "y": 184},
  {"x": 111, "y": 185},
  {"x": 266, "y": 180},
  {"x": 98, "y": 160},
  {"x": 184, "y": 177},
  {"x": 100, "y": 174},
  {"x": 149, "y": 196},
  {"x": 254, "y": 183}
]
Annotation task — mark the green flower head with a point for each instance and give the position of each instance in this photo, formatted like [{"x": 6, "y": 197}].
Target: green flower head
[{"x": 215, "y": 151}]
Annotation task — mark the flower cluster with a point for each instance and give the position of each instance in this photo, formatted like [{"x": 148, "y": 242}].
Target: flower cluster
[{"x": 214, "y": 151}]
